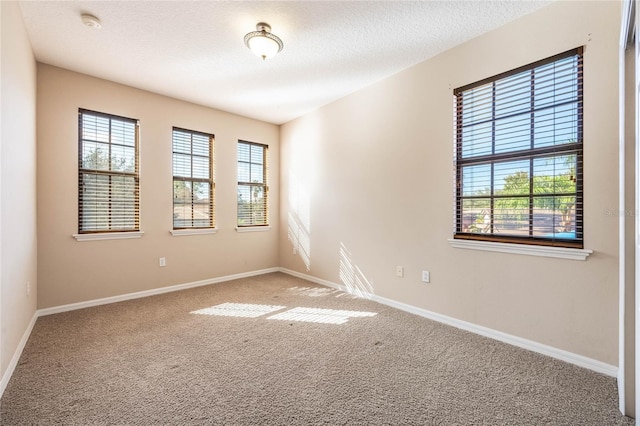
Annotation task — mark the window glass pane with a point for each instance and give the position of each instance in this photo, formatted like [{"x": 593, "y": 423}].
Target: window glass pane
[
  {"x": 123, "y": 189},
  {"x": 244, "y": 192},
  {"x": 257, "y": 175},
  {"x": 94, "y": 202},
  {"x": 181, "y": 165},
  {"x": 556, "y": 83},
  {"x": 511, "y": 178},
  {"x": 95, "y": 156},
  {"x": 244, "y": 152},
  {"x": 95, "y": 128},
  {"x": 200, "y": 167},
  {"x": 182, "y": 192},
  {"x": 201, "y": 216},
  {"x": 179, "y": 222},
  {"x": 201, "y": 191},
  {"x": 477, "y": 140},
  {"x": 244, "y": 205},
  {"x": 181, "y": 142},
  {"x": 201, "y": 145},
  {"x": 554, "y": 217},
  {"x": 476, "y": 180},
  {"x": 182, "y": 204},
  {"x": 511, "y": 216},
  {"x": 513, "y": 95},
  {"x": 191, "y": 207},
  {"x": 244, "y": 172},
  {"x": 123, "y": 133},
  {"x": 258, "y": 207},
  {"x": 257, "y": 153},
  {"x": 556, "y": 125},
  {"x": 555, "y": 175},
  {"x": 123, "y": 158},
  {"x": 544, "y": 217},
  {"x": 513, "y": 133},
  {"x": 476, "y": 215},
  {"x": 565, "y": 210},
  {"x": 477, "y": 105},
  {"x": 251, "y": 206}
]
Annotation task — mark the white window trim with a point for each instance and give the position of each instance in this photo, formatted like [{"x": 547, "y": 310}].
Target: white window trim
[
  {"x": 108, "y": 236},
  {"x": 525, "y": 249},
  {"x": 195, "y": 231},
  {"x": 253, "y": 228}
]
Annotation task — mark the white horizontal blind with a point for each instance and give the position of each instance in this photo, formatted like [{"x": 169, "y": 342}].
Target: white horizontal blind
[
  {"x": 519, "y": 155},
  {"x": 193, "y": 184},
  {"x": 253, "y": 190},
  {"x": 108, "y": 181}
]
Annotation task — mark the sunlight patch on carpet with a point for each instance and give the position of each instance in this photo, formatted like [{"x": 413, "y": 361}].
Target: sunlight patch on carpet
[
  {"x": 315, "y": 291},
  {"x": 244, "y": 310},
  {"x": 323, "y": 316}
]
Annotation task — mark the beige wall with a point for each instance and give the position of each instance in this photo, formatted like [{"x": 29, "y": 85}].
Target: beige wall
[
  {"x": 18, "y": 183},
  {"x": 72, "y": 271},
  {"x": 368, "y": 182}
]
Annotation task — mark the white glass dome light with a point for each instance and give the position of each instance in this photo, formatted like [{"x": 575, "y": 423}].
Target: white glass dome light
[{"x": 262, "y": 43}]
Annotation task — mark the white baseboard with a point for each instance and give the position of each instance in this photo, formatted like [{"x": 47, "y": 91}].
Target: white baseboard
[
  {"x": 579, "y": 360},
  {"x": 152, "y": 292},
  {"x": 16, "y": 355}
]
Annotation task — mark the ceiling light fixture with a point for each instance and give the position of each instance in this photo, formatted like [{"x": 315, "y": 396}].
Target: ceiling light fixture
[
  {"x": 262, "y": 43},
  {"x": 91, "y": 21}
]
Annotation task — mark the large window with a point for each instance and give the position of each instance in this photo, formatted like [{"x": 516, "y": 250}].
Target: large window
[
  {"x": 108, "y": 181},
  {"x": 193, "y": 185},
  {"x": 519, "y": 155},
  {"x": 252, "y": 184}
]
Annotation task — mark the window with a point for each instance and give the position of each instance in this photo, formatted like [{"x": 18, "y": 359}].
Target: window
[
  {"x": 519, "y": 155},
  {"x": 108, "y": 180},
  {"x": 252, "y": 184},
  {"x": 193, "y": 185}
]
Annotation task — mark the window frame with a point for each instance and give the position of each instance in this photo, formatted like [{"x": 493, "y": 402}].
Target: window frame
[
  {"x": 210, "y": 180},
  {"x": 85, "y": 234},
  {"x": 264, "y": 185},
  {"x": 526, "y": 155}
]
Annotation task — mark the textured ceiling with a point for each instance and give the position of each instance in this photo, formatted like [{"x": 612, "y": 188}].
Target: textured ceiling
[{"x": 193, "y": 50}]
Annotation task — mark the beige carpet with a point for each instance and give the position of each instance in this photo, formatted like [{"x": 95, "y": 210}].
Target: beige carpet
[{"x": 277, "y": 350}]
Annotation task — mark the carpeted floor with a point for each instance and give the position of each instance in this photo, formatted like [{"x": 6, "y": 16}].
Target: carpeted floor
[{"x": 277, "y": 350}]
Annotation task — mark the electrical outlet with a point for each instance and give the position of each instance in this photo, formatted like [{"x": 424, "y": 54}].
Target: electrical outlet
[
  {"x": 295, "y": 251},
  {"x": 425, "y": 276},
  {"x": 162, "y": 261},
  {"x": 399, "y": 271},
  {"x": 28, "y": 288}
]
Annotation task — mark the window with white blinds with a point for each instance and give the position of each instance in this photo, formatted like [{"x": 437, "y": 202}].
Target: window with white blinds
[
  {"x": 193, "y": 185},
  {"x": 519, "y": 155},
  {"x": 108, "y": 179},
  {"x": 253, "y": 190}
]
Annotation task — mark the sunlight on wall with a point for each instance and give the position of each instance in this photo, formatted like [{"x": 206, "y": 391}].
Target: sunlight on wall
[
  {"x": 245, "y": 310},
  {"x": 299, "y": 221},
  {"x": 352, "y": 277},
  {"x": 250, "y": 310}
]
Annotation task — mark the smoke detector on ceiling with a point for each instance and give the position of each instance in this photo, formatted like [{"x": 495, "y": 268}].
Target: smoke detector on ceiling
[{"x": 91, "y": 21}]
